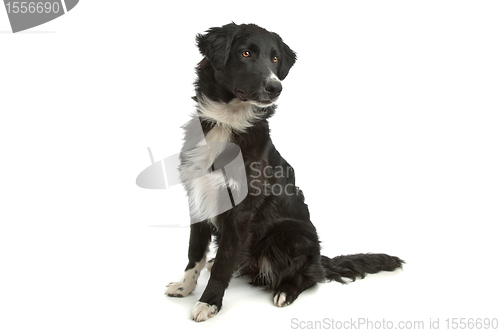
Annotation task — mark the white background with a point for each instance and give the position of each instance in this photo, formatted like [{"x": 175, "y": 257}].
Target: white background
[{"x": 390, "y": 118}]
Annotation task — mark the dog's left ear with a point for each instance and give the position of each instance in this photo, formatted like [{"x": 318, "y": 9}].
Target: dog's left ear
[
  {"x": 288, "y": 58},
  {"x": 216, "y": 44}
]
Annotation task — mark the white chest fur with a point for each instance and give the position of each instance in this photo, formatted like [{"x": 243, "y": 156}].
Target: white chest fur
[
  {"x": 203, "y": 186},
  {"x": 208, "y": 189}
]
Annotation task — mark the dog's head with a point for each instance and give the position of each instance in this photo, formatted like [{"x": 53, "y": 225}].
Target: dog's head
[{"x": 249, "y": 61}]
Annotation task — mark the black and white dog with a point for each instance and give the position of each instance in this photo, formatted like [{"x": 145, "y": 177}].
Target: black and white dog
[{"x": 268, "y": 236}]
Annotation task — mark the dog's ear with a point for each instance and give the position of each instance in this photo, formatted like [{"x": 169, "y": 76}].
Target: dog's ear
[
  {"x": 215, "y": 45},
  {"x": 288, "y": 58}
]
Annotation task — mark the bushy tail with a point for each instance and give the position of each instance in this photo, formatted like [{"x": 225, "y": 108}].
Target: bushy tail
[{"x": 358, "y": 265}]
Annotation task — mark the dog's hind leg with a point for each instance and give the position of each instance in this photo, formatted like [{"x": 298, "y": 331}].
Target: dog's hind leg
[
  {"x": 290, "y": 261},
  {"x": 199, "y": 241},
  {"x": 303, "y": 273},
  {"x": 287, "y": 293}
]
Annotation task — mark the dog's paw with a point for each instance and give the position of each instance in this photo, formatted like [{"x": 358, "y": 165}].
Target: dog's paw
[
  {"x": 202, "y": 311},
  {"x": 280, "y": 299},
  {"x": 188, "y": 283},
  {"x": 179, "y": 289}
]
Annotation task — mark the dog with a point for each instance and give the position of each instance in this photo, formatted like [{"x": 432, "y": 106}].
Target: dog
[{"x": 268, "y": 236}]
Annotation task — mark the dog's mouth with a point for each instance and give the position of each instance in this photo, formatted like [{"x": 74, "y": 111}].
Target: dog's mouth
[
  {"x": 255, "y": 99},
  {"x": 262, "y": 104}
]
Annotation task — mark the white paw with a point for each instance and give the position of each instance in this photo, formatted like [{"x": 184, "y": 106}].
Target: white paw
[
  {"x": 179, "y": 289},
  {"x": 203, "y": 311},
  {"x": 188, "y": 283},
  {"x": 280, "y": 300}
]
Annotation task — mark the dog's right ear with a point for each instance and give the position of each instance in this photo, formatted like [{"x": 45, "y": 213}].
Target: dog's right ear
[
  {"x": 215, "y": 45},
  {"x": 288, "y": 58}
]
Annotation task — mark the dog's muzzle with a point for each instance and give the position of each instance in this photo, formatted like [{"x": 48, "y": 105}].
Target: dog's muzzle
[
  {"x": 267, "y": 96},
  {"x": 273, "y": 89}
]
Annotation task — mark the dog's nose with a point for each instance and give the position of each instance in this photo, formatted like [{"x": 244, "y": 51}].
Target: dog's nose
[{"x": 273, "y": 87}]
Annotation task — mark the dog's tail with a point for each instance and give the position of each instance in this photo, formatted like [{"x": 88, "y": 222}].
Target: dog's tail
[{"x": 358, "y": 265}]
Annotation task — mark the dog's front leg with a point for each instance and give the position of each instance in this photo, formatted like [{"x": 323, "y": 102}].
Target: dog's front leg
[
  {"x": 199, "y": 241},
  {"x": 232, "y": 236}
]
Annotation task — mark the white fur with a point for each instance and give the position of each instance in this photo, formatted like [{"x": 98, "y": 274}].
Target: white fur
[
  {"x": 265, "y": 273},
  {"x": 201, "y": 183},
  {"x": 188, "y": 282},
  {"x": 273, "y": 77},
  {"x": 236, "y": 115},
  {"x": 280, "y": 300},
  {"x": 203, "y": 196},
  {"x": 203, "y": 311}
]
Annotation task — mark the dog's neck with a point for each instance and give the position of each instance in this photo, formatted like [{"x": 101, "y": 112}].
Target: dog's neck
[{"x": 235, "y": 116}]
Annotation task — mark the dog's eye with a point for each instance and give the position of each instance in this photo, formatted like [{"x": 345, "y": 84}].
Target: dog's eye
[
  {"x": 275, "y": 59},
  {"x": 246, "y": 54}
]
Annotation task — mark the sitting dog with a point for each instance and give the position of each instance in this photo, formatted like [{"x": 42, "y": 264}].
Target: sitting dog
[{"x": 268, "y": 236}]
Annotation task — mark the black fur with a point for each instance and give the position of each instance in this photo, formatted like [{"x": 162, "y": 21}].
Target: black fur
[{"x": 268, "y": 237}]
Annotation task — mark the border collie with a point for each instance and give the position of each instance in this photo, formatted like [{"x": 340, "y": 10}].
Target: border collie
[{"x": 268, "y": 236}]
